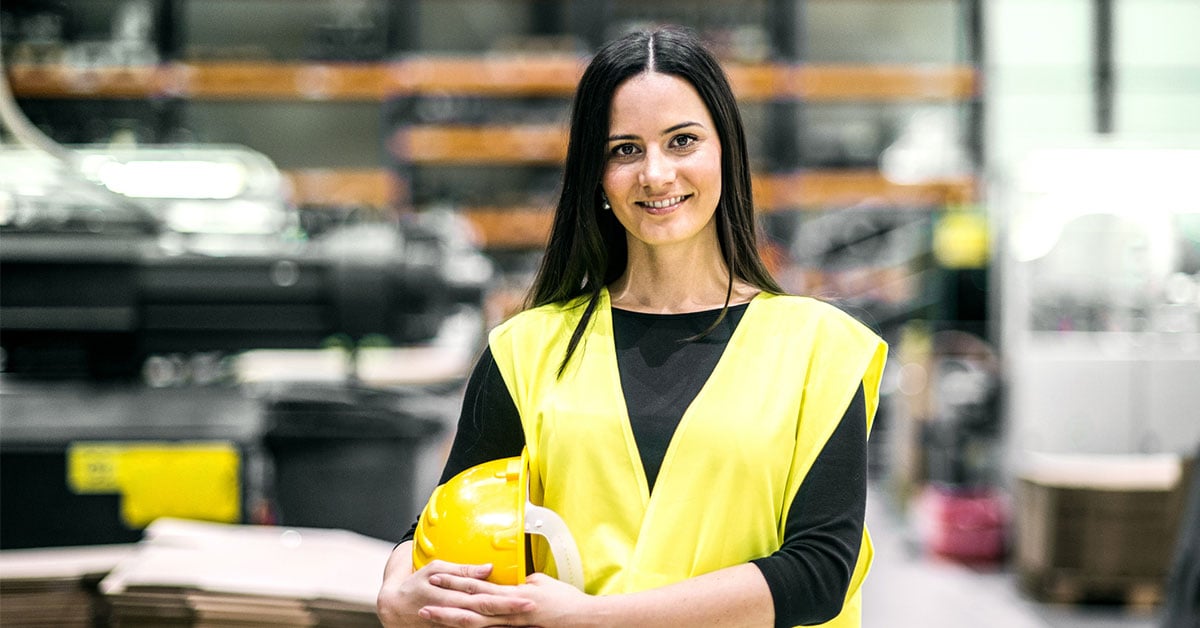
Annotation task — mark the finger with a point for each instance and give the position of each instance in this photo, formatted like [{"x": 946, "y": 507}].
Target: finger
[
  {"x": 507, "y": 602},
  {"x": 501, "y": 606},
  {"x": 478, "y": 572},
  {"x": 460, "y": 569},
  {"x": 449, "y": 616},
  {"x": 466, "y": 584},
  {"x": 463, "y": 618}
]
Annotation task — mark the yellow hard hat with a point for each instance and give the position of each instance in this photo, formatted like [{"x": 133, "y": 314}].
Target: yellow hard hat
[{"x": 482, "y": 515}]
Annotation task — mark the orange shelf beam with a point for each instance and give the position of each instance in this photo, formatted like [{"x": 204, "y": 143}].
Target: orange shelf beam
[
  {"x": 757, "y": 83},
  {"x": 206, "y": 81},
  {"x": 497, "y": 76},
  {"x": 276, "y": 81},
  {"x": 511, "y": 227},
  {"x": 819, "y": 189},
  {"x": 321, "y": 187},
  {"x": 62, "y": 81},
  {"x": 511, "y": 75},
  {"x": 882, "y": 82},
  {"x": 515, "y": 144}
]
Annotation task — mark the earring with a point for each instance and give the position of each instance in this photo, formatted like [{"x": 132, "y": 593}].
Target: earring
[{"x": 604, "y": 203}]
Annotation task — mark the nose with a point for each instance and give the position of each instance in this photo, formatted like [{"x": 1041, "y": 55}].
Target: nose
[{"x": 658, "y": 171}]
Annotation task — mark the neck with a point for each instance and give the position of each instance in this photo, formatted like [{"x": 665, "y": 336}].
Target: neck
[{"x": 670, "y": 280}]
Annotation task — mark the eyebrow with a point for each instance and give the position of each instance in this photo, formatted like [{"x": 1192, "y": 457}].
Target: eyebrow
[{"x": 671, "y": 129}]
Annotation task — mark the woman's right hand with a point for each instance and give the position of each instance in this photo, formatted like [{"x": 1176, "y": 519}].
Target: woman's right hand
[{"x": 405, "y": 592}]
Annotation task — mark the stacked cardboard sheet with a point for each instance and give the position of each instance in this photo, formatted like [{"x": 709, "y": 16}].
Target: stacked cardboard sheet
[
  {"x": 56, "y": 586},
  {"x": 207, "y": 575},
  {"x": 1098, "y": 527}
]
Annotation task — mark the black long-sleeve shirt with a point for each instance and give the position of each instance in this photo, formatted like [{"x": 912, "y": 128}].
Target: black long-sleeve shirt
[{"x": 660, "y": 376}]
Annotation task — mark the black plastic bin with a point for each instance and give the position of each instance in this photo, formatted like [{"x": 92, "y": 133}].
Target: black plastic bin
[{"x": 346, "y": 457}]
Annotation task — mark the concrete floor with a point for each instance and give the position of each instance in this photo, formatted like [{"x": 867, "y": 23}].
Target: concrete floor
[{"x": 909, "y": 589}]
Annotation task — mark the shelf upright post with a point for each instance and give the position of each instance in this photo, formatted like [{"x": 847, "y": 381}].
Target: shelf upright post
[
  {"x": 1104, "y": 61},
  {"x": 170, "y": 29},
  {"x": 402, "y": 26},
  {"x": 785, "y": 25},
  {"x": 786, "y": 113},
  {"x": 170, "y": 112},
  {"x": 589, "y": 22},
  {"x": 975, "y": 56},
  {"x": 546, "y": 17}
]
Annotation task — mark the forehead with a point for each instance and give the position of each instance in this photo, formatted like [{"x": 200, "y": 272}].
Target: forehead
[{"x": 655, "y": 101}]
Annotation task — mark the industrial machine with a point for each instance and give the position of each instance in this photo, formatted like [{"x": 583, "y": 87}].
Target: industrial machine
[{"x": 146, "y": 252}]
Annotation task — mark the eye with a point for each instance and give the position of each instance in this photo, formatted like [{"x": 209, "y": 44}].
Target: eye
[
  {"x": 683, "y": 140},
  {"x": 623, "y": 150}
]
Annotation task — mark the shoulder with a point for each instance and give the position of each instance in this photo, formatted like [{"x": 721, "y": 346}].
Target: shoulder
[
  {"x": 820, "y": 325},
  {"x": 533, "y": 341},
  {"x": 810, "y": 310},
  {"x": 840, "y": 342},
  {"x": 539, "y": 317},
  {"x": 546, "y": 322}
]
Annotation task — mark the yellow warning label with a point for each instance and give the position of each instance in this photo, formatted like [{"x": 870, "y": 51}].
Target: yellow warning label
[
  {"x": 93, "y": 468},
  {"x": 160, "y": 479}
]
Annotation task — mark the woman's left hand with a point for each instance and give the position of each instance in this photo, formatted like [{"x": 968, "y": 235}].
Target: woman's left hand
[{"x": 557, "y": 603}]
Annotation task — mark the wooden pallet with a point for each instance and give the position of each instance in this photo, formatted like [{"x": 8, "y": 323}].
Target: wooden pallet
[{"x": 1069, "y": 587}]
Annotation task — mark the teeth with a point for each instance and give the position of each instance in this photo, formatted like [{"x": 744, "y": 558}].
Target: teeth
[{"x": 663, "y": 203}]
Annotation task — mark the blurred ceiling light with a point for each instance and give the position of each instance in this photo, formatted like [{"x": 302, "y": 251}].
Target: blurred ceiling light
[
  {"x": 174, "y": 179},
  {"x": 8, "y": 208},
  {"x": 1034, "y": 238},
  {"x": 927, "y": 150},
  {"x": 232, "y": 217},
  {"x": 1179, "y": 288},
  {"x": 1143, "y": 185}
]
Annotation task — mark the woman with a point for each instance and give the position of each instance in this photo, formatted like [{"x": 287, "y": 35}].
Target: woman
[{"x": 703, "y": 435}]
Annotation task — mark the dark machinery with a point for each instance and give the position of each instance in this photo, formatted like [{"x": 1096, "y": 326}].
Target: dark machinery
[
  {"x": 126, "y": 278},
  {"x": 186, "y": 250}
]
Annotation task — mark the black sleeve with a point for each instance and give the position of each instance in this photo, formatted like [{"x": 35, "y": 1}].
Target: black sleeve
[
  {"x": 810, "y": 574},
  {"x": 489, "y": 427}
]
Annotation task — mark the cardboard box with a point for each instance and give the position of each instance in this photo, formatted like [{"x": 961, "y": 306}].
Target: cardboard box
[{"x": 1098, "y": 526}]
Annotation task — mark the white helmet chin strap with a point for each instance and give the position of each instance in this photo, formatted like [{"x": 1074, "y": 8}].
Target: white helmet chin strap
[{"x": 548, "y": 525}]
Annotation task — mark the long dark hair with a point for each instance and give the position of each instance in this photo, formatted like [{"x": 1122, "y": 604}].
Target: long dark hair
[{"x": 587, "y": 248}]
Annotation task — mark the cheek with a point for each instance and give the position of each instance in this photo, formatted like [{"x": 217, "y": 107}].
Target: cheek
[
  {"x": 709, "y": 171},
  {"x": 714, "y": 165},
  {"x": 616, "y": 178}
]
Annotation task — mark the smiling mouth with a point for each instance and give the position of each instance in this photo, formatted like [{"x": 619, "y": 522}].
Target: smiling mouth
[{"x": 665, "y": 203}]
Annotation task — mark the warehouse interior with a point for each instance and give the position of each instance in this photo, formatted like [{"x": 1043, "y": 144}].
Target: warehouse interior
[{"x": 251, "y": 249}]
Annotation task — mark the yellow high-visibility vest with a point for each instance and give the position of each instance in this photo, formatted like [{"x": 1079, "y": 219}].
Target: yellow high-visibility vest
[{"x": 734, "y": 464}]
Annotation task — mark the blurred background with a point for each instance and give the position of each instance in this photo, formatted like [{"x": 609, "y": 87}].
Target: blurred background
[{"x": 249, "y": 250}]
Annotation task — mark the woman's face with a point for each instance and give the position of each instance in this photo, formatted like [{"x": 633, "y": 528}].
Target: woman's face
[{"x": 662, "y": 175}]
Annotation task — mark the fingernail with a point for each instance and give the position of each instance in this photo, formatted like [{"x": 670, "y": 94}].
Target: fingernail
[
  {"x": 424, "y": 613},
  {"x": 483, "y": 569},
  {"x": 435, "y": 580}
]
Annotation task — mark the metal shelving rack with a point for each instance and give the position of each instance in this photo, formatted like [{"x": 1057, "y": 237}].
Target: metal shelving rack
[{"x": 779, "y": 90}]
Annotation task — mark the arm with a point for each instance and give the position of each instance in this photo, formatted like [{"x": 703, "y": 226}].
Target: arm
[
  {"x": 810, "y": 574},
  {"x": 489, "y": 426},
  {"x": 727, "y": 598},
  {"x": 730, "y": 597}
]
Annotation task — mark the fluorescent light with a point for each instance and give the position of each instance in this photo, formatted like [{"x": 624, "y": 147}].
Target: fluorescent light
[
  {"x": 230, "y": 217},
  {"x": 174, "y": 179}
]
